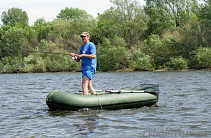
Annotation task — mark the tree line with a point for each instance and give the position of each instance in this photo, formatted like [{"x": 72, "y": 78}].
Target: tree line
[{"x": 163, "y": 34}]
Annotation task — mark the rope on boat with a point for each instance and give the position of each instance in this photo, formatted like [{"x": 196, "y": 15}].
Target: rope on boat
[
  {"x": 50, "y": 95},
  {"x": 99, "y": 101}
]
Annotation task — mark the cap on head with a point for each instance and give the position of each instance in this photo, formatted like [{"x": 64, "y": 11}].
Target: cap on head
[{"x": 84, "y": 34}]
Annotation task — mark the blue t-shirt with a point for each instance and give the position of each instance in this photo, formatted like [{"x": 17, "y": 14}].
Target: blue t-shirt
[{"x": 88, "y": 48}]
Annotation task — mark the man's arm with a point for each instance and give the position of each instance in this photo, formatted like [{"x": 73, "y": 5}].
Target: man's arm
[{"x": 90, "y": 56}]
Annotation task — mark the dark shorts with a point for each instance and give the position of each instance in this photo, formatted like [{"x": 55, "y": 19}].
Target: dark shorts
[{"x": 89, "y": 72}]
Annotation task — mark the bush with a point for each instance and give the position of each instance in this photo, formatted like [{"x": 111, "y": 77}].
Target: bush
[
  {"x": 160, "y": 49},
  {"x": 142, "y": 63},
  {"x": 39, "y": 62},
  {"x": 112, "y": 58},
  {"x": 178, "y": 63},
  {"x": 33, "y": 63},
  {"x": 11, "y": 65},
  {"x": 29, "y": 68},
  {"x": 40, "y": 65},
  {"x": 203, "y": 58},
  {"x": 139, "y": 60},
  {"x": 29, "y": 63},
  {"x": 112, "y": 55},
  {"x": 59, "y": 63}
]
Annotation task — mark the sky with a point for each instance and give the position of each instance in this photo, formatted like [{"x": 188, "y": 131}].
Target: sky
[{"x": 49, "y": 9}]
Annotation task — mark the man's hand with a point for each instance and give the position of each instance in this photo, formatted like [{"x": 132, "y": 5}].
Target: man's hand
[
  {"x": 75, "y": 56},
  {"x": 72, "y": 54}
]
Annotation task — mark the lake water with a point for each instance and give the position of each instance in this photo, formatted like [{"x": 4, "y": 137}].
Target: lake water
[{"x": 183, "y": 109}]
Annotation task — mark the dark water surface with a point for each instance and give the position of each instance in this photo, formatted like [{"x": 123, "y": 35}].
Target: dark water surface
[{"x": 183, "y": 109}]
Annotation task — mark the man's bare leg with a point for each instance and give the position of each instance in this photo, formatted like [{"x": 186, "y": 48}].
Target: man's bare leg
[
  {"x": 91, "y": 89},
  {"x": 85, "y": 83}
]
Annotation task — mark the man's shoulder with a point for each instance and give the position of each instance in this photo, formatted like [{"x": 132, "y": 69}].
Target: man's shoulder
[{"x": 91, "y": 44}]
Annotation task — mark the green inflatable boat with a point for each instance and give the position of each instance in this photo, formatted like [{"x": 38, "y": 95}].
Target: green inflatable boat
[{"x": 142, "y": 95}]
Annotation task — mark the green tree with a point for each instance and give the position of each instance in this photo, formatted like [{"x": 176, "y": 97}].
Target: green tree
[
  {"x": 106, "y": 27},
  {"x": 125, "y": 19},
  {"x": 161, "y": 49},
  {"x": 81, "y": 24},
  {"x": 168, "y": 14},
  {"x": 42, "y": 28},
  {"x": 71, "y": 13},
  {"x": 80, "y": 20},
  {"x": 60, "y": 32},
  {"x": 181, "y": 9},
  {"x": 159, "y": 15},
  {"x": 14, "y": 40},
  {"x": 205, "y": 20},
  {"x": 14, "y": 16},
  {"x": 71, "y": 23},
  {"x": 3, "y": 30}
]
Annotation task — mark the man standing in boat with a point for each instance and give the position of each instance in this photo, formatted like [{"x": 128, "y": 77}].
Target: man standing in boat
[{"x": 89, "y": 62}]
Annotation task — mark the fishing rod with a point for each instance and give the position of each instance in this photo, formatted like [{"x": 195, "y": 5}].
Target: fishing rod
[{"x": 32, "y": 51}]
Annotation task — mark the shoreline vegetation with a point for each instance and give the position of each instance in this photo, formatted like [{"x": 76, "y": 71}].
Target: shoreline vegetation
[
  {"x": 122, "y": 70},
  {"x": 160, "y": 36}
]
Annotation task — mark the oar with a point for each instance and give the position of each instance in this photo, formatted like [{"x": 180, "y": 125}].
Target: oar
[
  {"x": 130, "y": 91},
  {"x": 88, "y": 90}
]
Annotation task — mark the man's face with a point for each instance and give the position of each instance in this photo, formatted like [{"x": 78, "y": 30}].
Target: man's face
[{"x": 85, "y": 39}]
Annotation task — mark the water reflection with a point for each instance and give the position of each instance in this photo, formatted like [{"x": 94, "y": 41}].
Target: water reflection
[
  {"x": 60, "y": 113},
  {"x": 84, "y": 121},
  {"x": 88, "y": 127}
]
